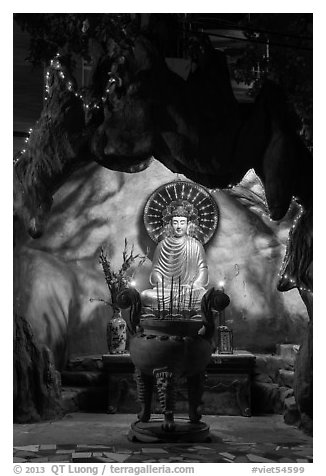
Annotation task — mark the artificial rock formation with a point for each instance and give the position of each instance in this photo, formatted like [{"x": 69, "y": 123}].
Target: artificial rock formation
[
  {"x": 57, "y": 274},
  {"x": 297, "y": 272},
  {"x": 37, "y": 386}
]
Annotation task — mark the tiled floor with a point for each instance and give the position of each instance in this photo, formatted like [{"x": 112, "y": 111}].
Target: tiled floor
[
  {"x": 103, "y": 438},
  {"x": 206, "y": 453}
]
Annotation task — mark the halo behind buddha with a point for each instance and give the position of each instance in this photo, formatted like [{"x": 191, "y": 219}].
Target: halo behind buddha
[{"x": 181, "y": 198}]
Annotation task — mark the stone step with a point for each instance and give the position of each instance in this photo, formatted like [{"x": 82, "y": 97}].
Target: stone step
[
  {"x": 269, "y": 397},
  {"x": 69, "y": 399},
  {"x": 85, "y": 399},
  {"x": 85, "y": 362},
  {"x": 291, "y": 412},
  {"x": 83, "y": 378},
  {"x": 286, "y": 378},
  {"x": 287, "y": 351},
  {"x": 267, "y": 367}
]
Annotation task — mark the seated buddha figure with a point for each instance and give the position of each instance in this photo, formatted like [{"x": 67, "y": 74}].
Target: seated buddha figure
[{"x": 179, "y": 272}]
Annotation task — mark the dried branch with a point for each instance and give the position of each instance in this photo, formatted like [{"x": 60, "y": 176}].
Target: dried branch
[
  {"x": 101, "y": 300},
  {"x": 118, "y": 280}
]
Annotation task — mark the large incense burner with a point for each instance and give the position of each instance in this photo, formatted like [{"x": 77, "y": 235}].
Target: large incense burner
[
  {"x": 172, "y": 322},
  {"x": 166, "y": 350}
]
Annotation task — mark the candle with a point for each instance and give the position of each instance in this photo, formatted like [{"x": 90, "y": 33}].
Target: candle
[{"x": 221, "y": 286}]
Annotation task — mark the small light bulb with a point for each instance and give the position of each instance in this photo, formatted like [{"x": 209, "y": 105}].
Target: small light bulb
[{"x": 221, "y": 285}]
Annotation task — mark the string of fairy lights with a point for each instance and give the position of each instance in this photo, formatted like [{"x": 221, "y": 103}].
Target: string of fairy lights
[{"x": 56, "y": 64}]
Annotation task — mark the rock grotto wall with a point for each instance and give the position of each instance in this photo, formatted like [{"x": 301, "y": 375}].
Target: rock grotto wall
[{"x": 56, "y": 275}]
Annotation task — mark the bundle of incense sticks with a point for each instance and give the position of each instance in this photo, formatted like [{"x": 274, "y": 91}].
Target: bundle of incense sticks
[
  {"x": 158, "y": 300},
  {"x": 171, "y": 297},
  {"x": 179, "y": 287},
  {"x": 178, "y": 297},
  {"x": 184, "y": 296},
  {"x": 190, "y": 297},
  {"x": 196, "y": 295},
  {"x": 163, "y": 304}
]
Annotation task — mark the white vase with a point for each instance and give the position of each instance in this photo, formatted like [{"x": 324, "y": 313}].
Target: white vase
[{"x": 117, "y": 334}]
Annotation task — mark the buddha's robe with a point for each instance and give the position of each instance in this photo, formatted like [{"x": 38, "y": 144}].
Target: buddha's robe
[{"x": 182, "y": 258}]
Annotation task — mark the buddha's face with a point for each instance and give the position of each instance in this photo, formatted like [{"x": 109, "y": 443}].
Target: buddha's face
[{"x": 179, "y": 225}]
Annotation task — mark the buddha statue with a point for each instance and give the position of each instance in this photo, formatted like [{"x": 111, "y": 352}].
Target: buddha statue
[
  {"x": 172, "y": 323},
  {"x": 179, "y": 273}
]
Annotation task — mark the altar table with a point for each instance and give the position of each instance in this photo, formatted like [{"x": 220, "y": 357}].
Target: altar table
[{"x": 227, "y": 374}]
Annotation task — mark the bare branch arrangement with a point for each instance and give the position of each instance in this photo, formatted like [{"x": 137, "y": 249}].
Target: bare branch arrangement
[{"x": 119, "y": 280}]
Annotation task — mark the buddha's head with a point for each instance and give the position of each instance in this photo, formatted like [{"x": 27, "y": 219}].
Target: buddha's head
[
  {"x": 179, "y": 226},
  {"x": 180, "y": 218}
]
